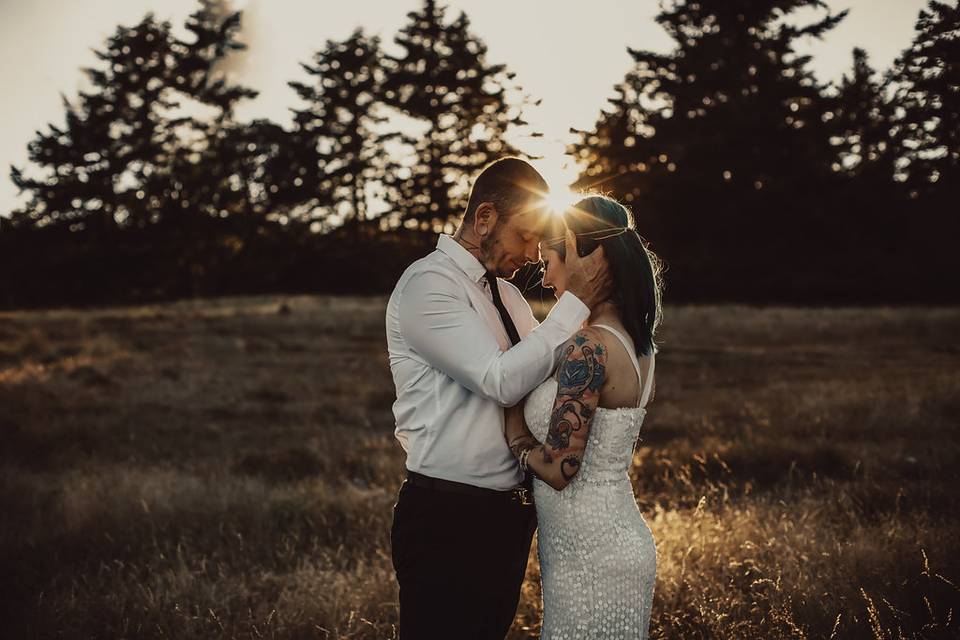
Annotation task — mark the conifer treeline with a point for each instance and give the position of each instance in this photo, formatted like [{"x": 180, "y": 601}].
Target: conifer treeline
[
  {"x": 752, "y": 179},
  {"x": 762, "y": 183}
]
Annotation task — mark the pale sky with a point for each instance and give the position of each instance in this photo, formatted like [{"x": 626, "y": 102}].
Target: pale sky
[{"x": 569, "y": 53}]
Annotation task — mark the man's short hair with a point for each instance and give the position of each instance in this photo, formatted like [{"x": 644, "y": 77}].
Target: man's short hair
[{"x": 511, "y": 184}]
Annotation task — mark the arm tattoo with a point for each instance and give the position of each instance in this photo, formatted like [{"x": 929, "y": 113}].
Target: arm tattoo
[
  {"x": 580, "y": 378},
  {"x": 569, "y": 467},
  {"x": 584, "y": 371},
  {"x": 563, "y": 422}
]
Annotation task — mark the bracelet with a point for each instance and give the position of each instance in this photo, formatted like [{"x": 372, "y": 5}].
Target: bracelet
[{"x": 522, "y": 459}]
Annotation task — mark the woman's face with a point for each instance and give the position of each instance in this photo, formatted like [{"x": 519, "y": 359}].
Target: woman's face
[{"x": 555, "y": 271}]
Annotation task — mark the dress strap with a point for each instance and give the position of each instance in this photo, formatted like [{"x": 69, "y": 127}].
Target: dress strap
[
  {"x": 644, "y": 389},
  {"x": 648, "y": 387}
]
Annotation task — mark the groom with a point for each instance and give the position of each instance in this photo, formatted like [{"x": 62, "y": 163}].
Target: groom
[{"x": 464, "y": 344}]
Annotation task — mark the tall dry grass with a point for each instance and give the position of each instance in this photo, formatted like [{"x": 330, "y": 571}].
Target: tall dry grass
[{"x": 226, "y": 469}]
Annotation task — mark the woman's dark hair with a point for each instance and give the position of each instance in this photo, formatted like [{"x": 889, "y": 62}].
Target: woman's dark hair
[{"x": 598, "y": 220}]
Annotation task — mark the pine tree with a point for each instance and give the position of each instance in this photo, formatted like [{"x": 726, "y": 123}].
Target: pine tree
[
  {"x": 215, "y": 162},
  {"x": 861, "y": 119},
  {"x": 865, "y": 230},
  {"x": 443, "y": 80},
  {"x": 720, "y": 145},
  {"x": 928, "y": 76},
  {"x": 214, "y": 40},
  {"x": 927, "y": 138},
  {"x": 130, "y": 155},
  {"x": 114, "y": 143},
  {"x": 341, "y": 157},
  {"x": 217, "y": 12}
]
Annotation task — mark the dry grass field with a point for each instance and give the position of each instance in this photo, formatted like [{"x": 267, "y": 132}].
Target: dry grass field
[{"x": 226, "y": 469}]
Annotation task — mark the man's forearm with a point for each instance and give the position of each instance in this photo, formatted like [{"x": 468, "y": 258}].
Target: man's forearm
[{"x": 450, "y": 336}]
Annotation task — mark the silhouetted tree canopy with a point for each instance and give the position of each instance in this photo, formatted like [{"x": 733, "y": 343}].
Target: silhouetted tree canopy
[
  {"x": 928, "y": 79},
  {"x": 155, "y": 139},
  {"x": 861, "y": 119},
  {"x": 93, "y": 170},
  {"x": 754, "y": 180},
  {"x": 444, "y": 81},
  {"x": 341, "y": 164}
]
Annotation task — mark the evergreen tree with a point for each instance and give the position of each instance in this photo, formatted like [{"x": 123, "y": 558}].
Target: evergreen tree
[
  {"x": 215, "y": 161},
  {"x": 861, "y": 119},
  {"x": 927, "y": 137},
  {"x": 131, "y": 154},
  {"x": 443, "y": 80},
  {"x": 721, "y": 145},
  {"x": 341, "y": 157},
  {"x": 94, "y": 170},
  {"x": 928, "y": 77},
  {"x": 866, "y": 231},
  {"x": 217, "y": 12}
]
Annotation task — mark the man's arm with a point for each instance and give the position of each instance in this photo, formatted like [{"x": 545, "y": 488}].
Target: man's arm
[{"x": 438, "y": 323}]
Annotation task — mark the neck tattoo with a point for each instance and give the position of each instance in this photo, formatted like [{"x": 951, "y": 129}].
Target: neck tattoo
[
  {"x": 467, "y": 244},
  {"x": 474, "y": 249}
]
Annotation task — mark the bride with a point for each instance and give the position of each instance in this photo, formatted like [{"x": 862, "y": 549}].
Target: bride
[{"x": 576, "y": 433}]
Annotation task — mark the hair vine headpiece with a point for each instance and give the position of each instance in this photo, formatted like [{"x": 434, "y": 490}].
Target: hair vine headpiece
[{"x": 597, "y": 234}]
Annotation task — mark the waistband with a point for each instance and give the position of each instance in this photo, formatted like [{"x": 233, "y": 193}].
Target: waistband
[{"x": 521, "y": 493}]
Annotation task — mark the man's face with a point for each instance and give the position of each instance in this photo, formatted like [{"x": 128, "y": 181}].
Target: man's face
[{"x": 514, "y": 242}]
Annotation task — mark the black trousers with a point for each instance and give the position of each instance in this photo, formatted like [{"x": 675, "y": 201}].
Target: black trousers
[{"x": 460, "y": 561}]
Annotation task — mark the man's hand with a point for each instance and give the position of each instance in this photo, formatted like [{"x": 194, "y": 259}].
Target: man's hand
[{"x": 588, "y": 278}]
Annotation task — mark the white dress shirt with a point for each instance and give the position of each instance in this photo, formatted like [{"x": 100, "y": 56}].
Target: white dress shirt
[{"x": 454, "y": 368}]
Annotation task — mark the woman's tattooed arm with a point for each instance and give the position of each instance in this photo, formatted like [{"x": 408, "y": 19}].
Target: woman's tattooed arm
[{"x": 581, "y": 374}]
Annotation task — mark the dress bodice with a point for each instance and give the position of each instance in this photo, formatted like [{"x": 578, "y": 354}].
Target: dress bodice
[{"x": 613, "y": 434}]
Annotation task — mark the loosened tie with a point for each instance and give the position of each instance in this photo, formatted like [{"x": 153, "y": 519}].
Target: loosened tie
[{"x": 498, "y": 303}]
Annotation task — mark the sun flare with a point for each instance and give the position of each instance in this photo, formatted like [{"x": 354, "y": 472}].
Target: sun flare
[
  {"x": 559, "y": 200},
  {"x": 558, "y": 175}
]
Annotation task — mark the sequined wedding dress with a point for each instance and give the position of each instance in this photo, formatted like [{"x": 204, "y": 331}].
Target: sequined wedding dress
[{"x": 598, "y": 562}]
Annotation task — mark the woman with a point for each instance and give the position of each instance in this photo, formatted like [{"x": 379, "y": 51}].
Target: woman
[{"x": 597, "y": 555}]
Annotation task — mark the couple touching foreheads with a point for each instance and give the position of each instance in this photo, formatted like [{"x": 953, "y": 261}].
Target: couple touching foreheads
[{"x": 509, "y": 424}]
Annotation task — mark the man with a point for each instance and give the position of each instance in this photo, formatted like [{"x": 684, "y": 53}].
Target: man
[{"x": 462, "y": 346}]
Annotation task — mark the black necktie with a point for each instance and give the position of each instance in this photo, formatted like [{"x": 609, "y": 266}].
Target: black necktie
[{"x": 498, "y": 303}]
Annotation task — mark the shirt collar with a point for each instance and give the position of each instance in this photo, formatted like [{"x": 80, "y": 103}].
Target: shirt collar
[{"x": 461, "y": 257}]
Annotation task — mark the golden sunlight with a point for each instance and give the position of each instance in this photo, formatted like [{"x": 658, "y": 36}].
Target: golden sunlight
[
  {"x": 558, "y": 175},
  {"x": 559, "y": 200}
]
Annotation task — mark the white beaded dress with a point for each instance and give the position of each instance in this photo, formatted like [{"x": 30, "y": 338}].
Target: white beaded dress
[{"x": 598, "y": 561}]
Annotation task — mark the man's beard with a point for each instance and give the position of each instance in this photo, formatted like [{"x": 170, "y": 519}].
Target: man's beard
[{"x": 488, "y": 248}]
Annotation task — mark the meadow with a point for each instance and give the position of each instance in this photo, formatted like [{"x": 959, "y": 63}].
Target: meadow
[{"x": 227, "y": 468}]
